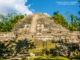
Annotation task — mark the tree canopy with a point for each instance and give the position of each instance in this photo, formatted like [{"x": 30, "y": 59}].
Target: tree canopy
[
  {"x": 9, "y": 21},
  {"x": 74, "y": 25}
]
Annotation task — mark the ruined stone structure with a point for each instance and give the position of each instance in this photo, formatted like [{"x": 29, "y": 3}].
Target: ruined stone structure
[
  {"x": 7, "y": 36},
  {"x": 34, "y": 24},
  {"x": 41, "y": 27}
]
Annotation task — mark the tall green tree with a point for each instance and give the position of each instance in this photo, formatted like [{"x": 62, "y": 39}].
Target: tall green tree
[
  {"x": 9, "y": 21},
  {"x": 59, "y": 19},
  {"x": 73, "y": 24},
  {"x": 79, "y": 2}
]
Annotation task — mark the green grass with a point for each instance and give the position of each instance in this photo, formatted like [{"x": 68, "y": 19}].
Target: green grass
[
  {"x": 61, "y": 58},
  {"x": 2, "y": 59},
  {"x": 45, "y": 58}
]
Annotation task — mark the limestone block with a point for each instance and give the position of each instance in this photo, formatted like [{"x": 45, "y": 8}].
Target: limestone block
[{"x": 63, "y": 37}]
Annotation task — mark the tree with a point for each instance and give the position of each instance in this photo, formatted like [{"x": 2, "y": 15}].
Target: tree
[
  {"x": 73, "y": 25},
  {"x": 9, "y": 21},
  {"x": 72, "y": 18},
  {"x": 59, "y": 19},
  {"x": 79, "y": 2},
  {"x": 79, "y": 6}
]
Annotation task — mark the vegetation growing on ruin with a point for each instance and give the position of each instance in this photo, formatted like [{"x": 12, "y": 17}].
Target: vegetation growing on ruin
[
  {"x": 41, "y": 49},
  {"x": 9, "y": 21},
  {"x": 74, "y": 24}
]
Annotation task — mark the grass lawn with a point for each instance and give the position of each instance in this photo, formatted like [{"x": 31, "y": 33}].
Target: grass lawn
[{"x": 45, "y": 58}]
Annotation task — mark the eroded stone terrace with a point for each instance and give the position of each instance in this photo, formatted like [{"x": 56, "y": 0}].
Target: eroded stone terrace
[{"x": 41, "y": 27}]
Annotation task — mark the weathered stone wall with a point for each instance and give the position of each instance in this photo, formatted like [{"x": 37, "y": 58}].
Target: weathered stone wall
[
  {"x": 40, "y": 27},
  {"x": 4, "y": 36},
  {"x": 65, "y": 38}
]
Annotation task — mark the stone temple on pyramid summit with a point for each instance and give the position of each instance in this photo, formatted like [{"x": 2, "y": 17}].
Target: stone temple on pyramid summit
[{"x": 40, "y": 27}]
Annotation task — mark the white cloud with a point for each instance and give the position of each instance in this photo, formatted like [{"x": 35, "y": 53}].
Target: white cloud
[
  {"x": 8, "y": 6},
  {"x": 66, "y": 2}
]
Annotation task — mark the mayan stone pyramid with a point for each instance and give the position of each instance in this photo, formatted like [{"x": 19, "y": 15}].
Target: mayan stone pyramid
[{"x": 40, "y": 27}]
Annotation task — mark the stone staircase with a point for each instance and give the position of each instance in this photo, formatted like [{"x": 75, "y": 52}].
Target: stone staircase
[{"x": 41, "y": 26}]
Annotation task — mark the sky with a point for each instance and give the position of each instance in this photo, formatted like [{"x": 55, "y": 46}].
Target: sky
[
  {"x": 50, "y": 6},
  {"x": 43, "y": 6}
]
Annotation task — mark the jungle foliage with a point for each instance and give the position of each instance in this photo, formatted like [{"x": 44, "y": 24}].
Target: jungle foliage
[
  {"x": 9, "y": 21},
  {"x": 73, "y": 24}
]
